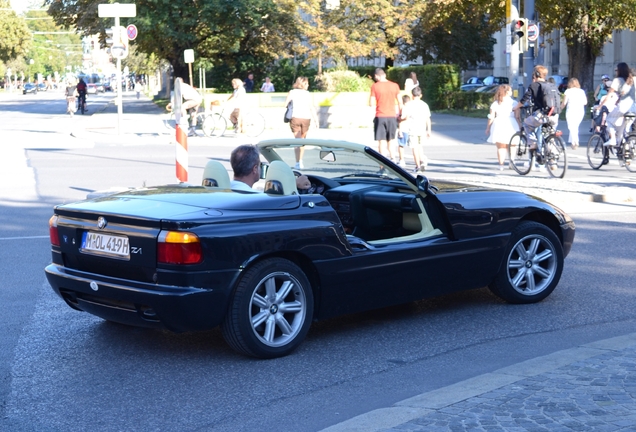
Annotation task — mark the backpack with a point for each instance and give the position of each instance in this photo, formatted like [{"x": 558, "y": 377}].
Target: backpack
[{"x": 551, "y": 98}]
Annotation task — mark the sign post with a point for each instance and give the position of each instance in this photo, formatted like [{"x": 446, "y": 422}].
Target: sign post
[
  {"x": 117, "y": 10},
  {"x": 188, "y": 57}
]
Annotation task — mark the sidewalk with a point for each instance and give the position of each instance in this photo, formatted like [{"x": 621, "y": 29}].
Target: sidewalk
[{"x": 590, "y": 387}]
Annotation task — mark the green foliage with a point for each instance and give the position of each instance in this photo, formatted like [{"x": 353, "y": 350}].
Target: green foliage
[
  {"x": 342, "y": 81},
  {"x": 436, "y": 81},
  {"x": 15, "y": 37},
  {"x": 364, "y": 71},
  {"x": 467, "y": 101},
  {"x": 459, "y": 41}
]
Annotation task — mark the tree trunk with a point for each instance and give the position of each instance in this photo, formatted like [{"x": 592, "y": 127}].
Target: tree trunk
[{"x": 581, "y": 64}]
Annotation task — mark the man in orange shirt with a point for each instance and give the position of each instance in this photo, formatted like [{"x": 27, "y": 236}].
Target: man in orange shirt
[{"x": 384, "y": 96}]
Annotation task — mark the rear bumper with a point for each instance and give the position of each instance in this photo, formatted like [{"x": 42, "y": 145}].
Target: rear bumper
[{"x": 175, "y": 308}]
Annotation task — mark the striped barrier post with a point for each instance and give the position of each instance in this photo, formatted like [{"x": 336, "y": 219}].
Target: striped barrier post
[{"x": 181, "y": 155}]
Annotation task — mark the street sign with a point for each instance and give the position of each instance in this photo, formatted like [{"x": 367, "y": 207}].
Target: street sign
[
  {"x": 533, "y": 32},
  {"x": 116, "y": 10},
  {"x": 131, "y": 31},
  {"x": 188, "y": 56}
]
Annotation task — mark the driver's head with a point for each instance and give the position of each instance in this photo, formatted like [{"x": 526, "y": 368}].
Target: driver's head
[{"x": 245, "y": 161}]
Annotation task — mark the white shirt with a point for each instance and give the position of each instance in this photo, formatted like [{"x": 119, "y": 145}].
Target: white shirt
[
  {"x": 267, "y": 87},
  {"x": 239, "y": 185},
  {"x": 302, "y": 104}
]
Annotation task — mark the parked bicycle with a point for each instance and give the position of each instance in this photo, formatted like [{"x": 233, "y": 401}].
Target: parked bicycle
[
  {"x": 218, "y": 123},
  {"x": 625, "y": 151},
  {"x": 549, "y": 151}
]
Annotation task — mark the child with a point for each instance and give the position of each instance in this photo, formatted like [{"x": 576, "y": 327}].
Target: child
[
  {"x": 419, "y": 119},
  {"x": 403, "y": 131}
]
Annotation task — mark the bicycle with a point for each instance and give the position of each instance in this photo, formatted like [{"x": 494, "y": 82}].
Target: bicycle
[
  {"x": 253, "y": 123},
  {"x": 203, "y": 124},
  {"x": 550, "y": 150},
  {"x": 81, "y": 102},
  {"x": 599, "y": 154}
]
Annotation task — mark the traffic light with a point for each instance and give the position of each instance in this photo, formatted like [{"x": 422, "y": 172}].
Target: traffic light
[{"x": 520, "y": 33}]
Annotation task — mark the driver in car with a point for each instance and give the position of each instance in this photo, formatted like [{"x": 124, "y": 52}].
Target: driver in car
[{"x": 246, "y": 162}]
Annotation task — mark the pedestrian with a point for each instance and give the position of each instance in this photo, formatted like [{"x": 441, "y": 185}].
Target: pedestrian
[
  {"x": 384, "y": 97},
  {"x": 403, "y": 130},
  {"x": 418, "y": 116},
  {"x": 267, "y": 86},
  {"x": 303, "y": 113},
  {"x": 410, "y": 83},
  {"x": 502, "y": 124},
  {"x": 249, "y": 83},
  {"x": 623, "y": 86},
  {"x": 138, "y": 89},
  {"x": 575, "y": 100},
  {"x": 238, "y": 97}
]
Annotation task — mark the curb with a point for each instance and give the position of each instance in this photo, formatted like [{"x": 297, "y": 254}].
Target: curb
[{"x": 427, "y": 403}]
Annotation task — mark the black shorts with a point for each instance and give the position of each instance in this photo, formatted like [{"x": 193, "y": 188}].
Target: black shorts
[{"x": 385, "y": 128}]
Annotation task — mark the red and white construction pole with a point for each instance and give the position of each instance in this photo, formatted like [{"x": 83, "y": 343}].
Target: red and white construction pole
[{"x": 181, "y": 146}]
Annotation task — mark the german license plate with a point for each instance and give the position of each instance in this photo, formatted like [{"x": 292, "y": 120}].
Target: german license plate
[{"x": 105, "y": 244}]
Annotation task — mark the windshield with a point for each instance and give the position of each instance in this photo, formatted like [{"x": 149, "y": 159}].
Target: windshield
[{"x": 330, "y": 160}]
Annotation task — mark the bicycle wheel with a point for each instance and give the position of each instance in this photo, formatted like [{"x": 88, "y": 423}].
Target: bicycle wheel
[
  {"x": 220, "y": 124},
  {"x": 253, "y": 124},
  {"x": 555, "y": 156},
  {"x": 207, "y": 125},
  {"x": 629, "y": 150},
  {"x": 521, "y": 158},
  {"x": 596, "y": 152}
]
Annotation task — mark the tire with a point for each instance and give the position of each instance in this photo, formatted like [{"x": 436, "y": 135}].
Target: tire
[
  {"x": 520, "y": 156},
  {"x": 596, "y": 152},
  {"x": 532, "y": 265},
  {"x": 556, "y": 158},
  {"x": 266, "y": 325},
  {"x": 207, "y": 125},
  {"x": 629, "y": 152},
  {"x": 220, "y": 125},
  {"x": 253, "y": 124}
]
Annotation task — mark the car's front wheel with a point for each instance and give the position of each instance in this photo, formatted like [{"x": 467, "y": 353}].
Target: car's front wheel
[
  {"x": 271, "y": 310},
  {"x": 532, "y": 265}
]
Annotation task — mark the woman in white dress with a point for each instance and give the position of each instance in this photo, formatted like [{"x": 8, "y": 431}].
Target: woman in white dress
[
  {"x": 502, "y": 124},
  {"x": 410, "y": 83},
  {"x": 575, "y": 100}
]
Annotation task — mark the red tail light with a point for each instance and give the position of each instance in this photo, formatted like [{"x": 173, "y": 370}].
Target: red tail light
[
  {"x": 176, "y": 247},
  {"x": 53, "y": 234}
]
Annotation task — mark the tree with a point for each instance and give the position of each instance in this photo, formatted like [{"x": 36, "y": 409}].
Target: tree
[
  {"x": 461, "y": 41},
  {"x": 15, "y": 36},
  {"x": 587, "y": 27},
  {"x": 229, "y": 33},
  {"x": 356, "y": 28}
]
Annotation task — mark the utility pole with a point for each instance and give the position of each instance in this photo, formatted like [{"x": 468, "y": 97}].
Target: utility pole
[{"x": 528, "y": 55}]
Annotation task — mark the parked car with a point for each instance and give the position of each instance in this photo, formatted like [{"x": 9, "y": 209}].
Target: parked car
[
  {"x": 487, "y": 89},
  {"x": 107, "y": 86},
  {"x": 561, "y": 82},
  {"x": 91, "y": 88},
  {"x": 263, "y": 266},
  {"x": 42, "y": 87},
  {"x": 29, "y": 88},
  {"x": 100, "y": 87},
  {"x": 493, "y": 80},
  {"x": 471, "y": 84}
]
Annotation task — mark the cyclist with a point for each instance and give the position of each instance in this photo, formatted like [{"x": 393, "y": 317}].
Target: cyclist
[
  {"x": 81, "y": 91},
  {"x": 191, "y": 101},
  {"x": 534, "y": 95},
  {"x": 623, "y": 87}
]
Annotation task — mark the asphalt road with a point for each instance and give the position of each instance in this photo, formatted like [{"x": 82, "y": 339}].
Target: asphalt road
[{"x": 62, "y": 370}]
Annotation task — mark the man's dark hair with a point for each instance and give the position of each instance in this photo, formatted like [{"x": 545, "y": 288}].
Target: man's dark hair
[
  {"x": 380, "y": 72},
  {"x": 243, "y": 159},
  {"x": 416, "y": 92}
]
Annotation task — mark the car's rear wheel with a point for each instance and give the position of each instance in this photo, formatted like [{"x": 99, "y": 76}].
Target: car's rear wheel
[
  {"x": 271, "y": 310},
  {"x": 532, "y": 265}
]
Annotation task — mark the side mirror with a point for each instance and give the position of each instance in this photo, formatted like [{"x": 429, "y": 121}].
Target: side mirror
[
  {"x": 262, "y": 170},
  {"x": 327, "y": 156},
  {"x": 423, "y": 184}
]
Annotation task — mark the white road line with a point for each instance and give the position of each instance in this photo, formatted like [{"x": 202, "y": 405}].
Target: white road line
[{"x": 24, "y": 238}]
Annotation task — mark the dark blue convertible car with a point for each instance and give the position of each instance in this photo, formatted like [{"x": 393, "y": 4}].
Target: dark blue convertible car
[{"x": 264, "y": 265}]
